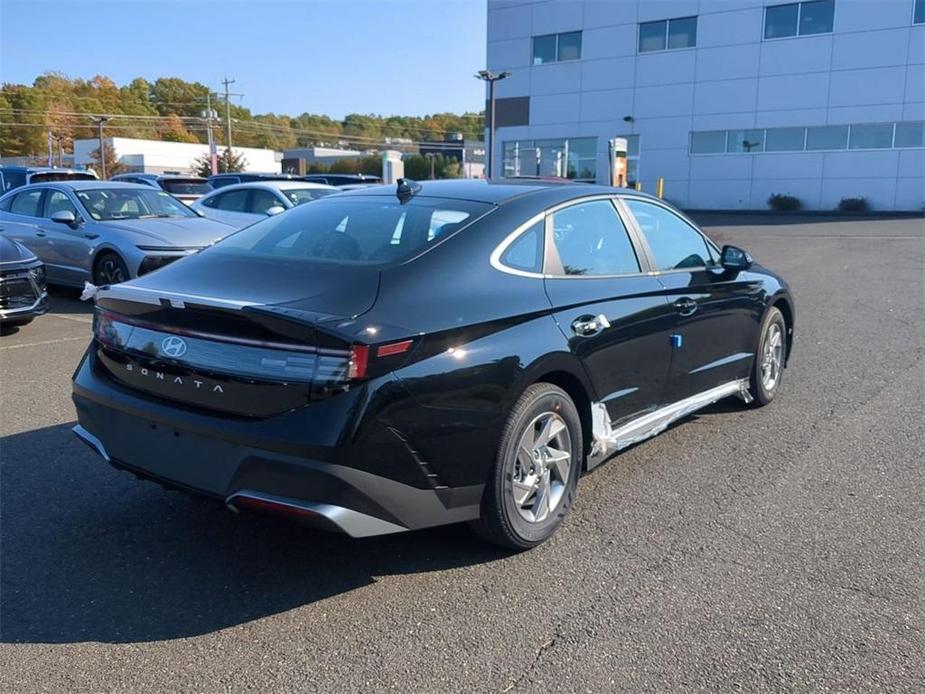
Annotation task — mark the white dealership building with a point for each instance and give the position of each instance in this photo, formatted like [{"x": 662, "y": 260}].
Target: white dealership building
[{"x": 730, "y": 101}]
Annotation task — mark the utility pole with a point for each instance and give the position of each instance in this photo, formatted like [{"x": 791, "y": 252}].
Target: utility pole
[
  {"x": 227, "y": 82},
  {"x": 51, "y": 161},
  {"x": 491, "y": 78},
  {"x": 431, "y": 156},
  {"x": 213, "y": 153},
  {"x": 101, "y": 121}
]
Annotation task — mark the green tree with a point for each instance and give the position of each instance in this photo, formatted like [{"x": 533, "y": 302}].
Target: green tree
[
  {"x": 113, "y": 165},
  {"x": 228, "y": 162}
]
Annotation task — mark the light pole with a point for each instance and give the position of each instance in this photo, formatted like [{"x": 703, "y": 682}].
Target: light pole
[
  {"x": 431, "y": 155},
  {"x": 101, "y": 121},
  {"x": 491, "y": 78}
]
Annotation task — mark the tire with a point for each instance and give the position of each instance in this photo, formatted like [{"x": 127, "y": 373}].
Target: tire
[
  {"x": 768, "y": 367},
  {"x": 16, "y": 322},
  {"x": 513, "y": 512},
  {"x": 109, "y": 268}
]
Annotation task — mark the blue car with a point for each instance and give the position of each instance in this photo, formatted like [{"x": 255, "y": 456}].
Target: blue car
[{"x": 103, "y": 232}]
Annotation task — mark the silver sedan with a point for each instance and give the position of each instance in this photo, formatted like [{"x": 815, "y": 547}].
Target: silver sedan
[
  {"x": 243, "y": 204},
  {"x": 103, "y": 232}
]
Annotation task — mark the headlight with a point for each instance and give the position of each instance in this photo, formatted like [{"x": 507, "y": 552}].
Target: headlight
[{"x": 38, "y": 275}]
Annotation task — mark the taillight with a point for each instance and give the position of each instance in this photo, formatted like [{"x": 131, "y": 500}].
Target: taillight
[
  {"x": 360, "y": 358},
  {"x": 359, "y": 361},
  {"x": 103, "y": 328}
]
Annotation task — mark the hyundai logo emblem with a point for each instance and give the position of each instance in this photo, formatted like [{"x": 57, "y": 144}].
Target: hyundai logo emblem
[{"x": 173, "y": 346}]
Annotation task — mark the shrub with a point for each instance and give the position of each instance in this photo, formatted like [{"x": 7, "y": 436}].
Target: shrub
[
  {"x": 784, "y": 203},
  {"x": 853, "y": 205}
]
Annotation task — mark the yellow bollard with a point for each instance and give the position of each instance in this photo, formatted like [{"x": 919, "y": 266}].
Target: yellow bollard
[
  {"x": 638, "y": 185},
  {"x": 660, "y": 187}
]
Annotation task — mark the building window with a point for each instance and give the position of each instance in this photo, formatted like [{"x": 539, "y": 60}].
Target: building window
[
  {"x": 668, "y": 34},
  {"x": 810, "y": 139},
  {"x": 553, "y": 48},
  {"x": 918, "y": 14},
  {"x": 784, "y": 139},
  {"x": 745, "y": 141},
  {"x": 574, "y": 158},
  {"x": 910, "y": 134},
  {"x": 799, "y": 19},
  {"x": 708, "y": 142},
  {"x": 827, "y": 137},
  {"x": 878, "y": 136}
]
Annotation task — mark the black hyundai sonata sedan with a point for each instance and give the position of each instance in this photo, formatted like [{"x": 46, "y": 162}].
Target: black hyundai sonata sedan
[{"x": 402, "y": 357}]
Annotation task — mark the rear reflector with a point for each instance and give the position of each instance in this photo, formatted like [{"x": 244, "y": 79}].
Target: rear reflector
[{"x": 394, "y": 348}]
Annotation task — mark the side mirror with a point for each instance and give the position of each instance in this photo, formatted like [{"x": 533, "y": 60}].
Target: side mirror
[
  {"x": 275, "y": 210},
  {"x": 734, "y": 258},
  {"x": 64, "y": 217}
]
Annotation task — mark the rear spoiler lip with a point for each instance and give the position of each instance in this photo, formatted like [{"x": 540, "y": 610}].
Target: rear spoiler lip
[{"x": 156, "y": 297}]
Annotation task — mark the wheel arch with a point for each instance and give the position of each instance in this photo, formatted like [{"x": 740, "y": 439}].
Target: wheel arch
[
  {"x": 785, "y": 305},
  {"x": 563, "y": 369}
]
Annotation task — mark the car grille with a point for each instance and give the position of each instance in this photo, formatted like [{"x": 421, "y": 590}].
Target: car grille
[{"x": 17, "y": 290}]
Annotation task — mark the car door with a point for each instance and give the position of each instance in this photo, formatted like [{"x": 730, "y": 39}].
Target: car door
[
  {"x": 714, "y": 310},
  {"x": 67, "y": 249},
  {"x": 21, "y": 223},
  {"x": 613, "y": 314}
]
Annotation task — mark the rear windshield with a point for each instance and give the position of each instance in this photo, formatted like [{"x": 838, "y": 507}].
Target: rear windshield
[
  {"x": 179, "y": 186},
  {"x": 46, "y": 176},
  {"x": 357, "y": 231},
  {"x": 299, "y": 196}
]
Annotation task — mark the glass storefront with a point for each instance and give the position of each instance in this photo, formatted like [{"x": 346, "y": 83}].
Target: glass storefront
[{"x": 574, "y": 158}]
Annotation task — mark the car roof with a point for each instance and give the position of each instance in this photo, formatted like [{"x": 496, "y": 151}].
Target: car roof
[
  {"x": 43, "y": 169},
  {"x": 89, "y": 185},
  {"x": 499, "y": 191},
  {"x": 157, "y": 177},
  {"x": 273, "y": 185}
]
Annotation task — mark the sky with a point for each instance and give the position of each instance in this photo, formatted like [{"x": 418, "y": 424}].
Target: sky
[{"x": 332, "y": 57}]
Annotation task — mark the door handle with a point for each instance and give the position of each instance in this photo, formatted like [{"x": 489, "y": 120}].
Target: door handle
[
  {"x": 588, "y": 326},
  {"x": 686, "y": 306},
  {"x": 41, "y": 232}
]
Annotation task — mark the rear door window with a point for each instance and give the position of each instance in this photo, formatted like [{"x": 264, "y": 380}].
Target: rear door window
[
  {"x": 263, "y": 200},
  {"x": 27, "y": 203},
  {"x": 674, "y": 243},
  {"x": 232, "y": 201},
  {"x": 590, "y": 239}
]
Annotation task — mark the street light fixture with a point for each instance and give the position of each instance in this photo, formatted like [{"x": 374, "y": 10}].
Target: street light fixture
[{"x": 491, "y": 78}]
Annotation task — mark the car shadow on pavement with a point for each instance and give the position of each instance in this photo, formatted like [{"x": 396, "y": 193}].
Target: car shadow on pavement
[
  {"x": 93, "y": 554},
  {"x": 67, "y": 300}
]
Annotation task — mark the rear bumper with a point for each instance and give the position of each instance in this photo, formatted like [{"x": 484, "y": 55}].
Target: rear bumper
[{"x": 230, "y": 461}]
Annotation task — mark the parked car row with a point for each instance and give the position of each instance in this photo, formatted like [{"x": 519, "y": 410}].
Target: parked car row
[{"x": 103, "y": 232}]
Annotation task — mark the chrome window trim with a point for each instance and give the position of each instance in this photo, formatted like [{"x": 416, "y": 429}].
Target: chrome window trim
[
  {"x": 641, "y": 258},
  {"x": 495, "y": 258}
]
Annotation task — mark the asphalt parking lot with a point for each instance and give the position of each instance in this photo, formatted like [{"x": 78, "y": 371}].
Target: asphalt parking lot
[{"x": 773, "y": 549}]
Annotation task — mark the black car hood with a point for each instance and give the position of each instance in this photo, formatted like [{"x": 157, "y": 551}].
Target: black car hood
[
  {"x": 301, "y": 287},
  {"x": 12, "y": 252}
]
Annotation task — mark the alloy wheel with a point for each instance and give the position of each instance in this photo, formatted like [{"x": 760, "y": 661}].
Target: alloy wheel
[
  {"x": 110, "y": 271},
  {"x": 772, "y": 357},
  {"x": 542, "y": 467}
]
